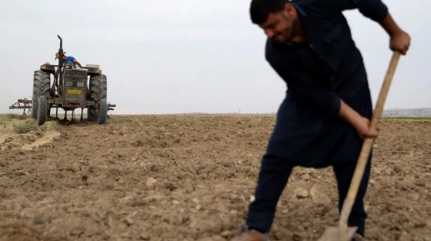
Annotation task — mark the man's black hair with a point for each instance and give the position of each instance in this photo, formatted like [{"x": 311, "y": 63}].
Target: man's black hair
[{"x": 260, "y": 9}]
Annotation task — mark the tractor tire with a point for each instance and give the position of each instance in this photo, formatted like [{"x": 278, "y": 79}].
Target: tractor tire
[
  {"x": 41, "y": 87},
  {"x": 98, "y": 93},
  {"x": 91, "y": 114},
  {"x": 102, "y": 114},
  {"x": 42, "y": 109}
]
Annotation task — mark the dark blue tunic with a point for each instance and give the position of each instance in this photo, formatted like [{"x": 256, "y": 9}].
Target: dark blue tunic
[{"x": 318, "y": 73}]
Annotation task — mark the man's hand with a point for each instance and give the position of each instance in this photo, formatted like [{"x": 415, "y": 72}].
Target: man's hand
[
  {"x": 364, "y": 129},
  {"x": 78, "y": 64},
  {"x": 360, "y": 123},
  {"x": 399, "y": 39},
  {"x": 400, "y": 42}
]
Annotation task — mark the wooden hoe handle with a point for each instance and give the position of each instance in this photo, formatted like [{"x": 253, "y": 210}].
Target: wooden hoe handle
[{"x": 368, "y": 143}]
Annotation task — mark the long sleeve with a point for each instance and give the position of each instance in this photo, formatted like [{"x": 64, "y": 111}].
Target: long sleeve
[{"x": 373, "y": 9}]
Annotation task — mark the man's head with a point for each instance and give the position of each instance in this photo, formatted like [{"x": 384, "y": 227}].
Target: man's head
[
  {"x": 61, "y": 55},
  {"x": 277, "y": 18}
]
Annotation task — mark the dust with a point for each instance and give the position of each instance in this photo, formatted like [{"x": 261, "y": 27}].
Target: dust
[
  {"x": 17, "y": 131},
  {"x": 46, "y": 138}
]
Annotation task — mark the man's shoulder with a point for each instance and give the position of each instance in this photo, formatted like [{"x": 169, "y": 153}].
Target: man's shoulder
[
  {"x": 315, "y": 7},
  {"x": 70, "y": 58}
]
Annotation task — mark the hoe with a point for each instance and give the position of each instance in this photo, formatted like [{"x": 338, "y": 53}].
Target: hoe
[{"x": 342, "y": 232}]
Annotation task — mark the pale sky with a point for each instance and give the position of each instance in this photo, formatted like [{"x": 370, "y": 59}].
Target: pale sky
[{"x": 188, "y": 56}]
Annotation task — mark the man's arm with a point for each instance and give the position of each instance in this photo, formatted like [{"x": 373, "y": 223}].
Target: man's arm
[
  {"x": 373, "y": 9},
  {"x": 77, "y": 63},
  {"x": 378, "y": 11},
  {"x": 360, "y": 123},
  {"x": 399, "y": 39}
]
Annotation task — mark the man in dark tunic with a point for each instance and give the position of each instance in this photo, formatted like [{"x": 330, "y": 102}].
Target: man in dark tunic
[{"x": 327, "y": 109}]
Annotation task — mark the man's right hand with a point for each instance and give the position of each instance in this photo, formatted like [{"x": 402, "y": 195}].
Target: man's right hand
[
  {"x": 364, "y": 129},
  {"x": 360, "y": 123}
]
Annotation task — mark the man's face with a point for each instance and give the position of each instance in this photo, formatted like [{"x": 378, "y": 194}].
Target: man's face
[
  {"x": 282, "y": 26},
  {"x": 60, "y": 56}
]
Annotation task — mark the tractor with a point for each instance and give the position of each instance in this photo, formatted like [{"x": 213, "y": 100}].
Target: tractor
[{"x": 69, "y": 87}]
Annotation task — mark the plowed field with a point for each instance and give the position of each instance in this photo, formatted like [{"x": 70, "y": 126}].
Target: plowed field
[{"x": 191, "y": 177}]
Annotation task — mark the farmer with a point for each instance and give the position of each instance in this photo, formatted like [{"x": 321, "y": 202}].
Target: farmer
[
  {"x": 327, "y": 109},
  {"x": 68, "y": 60}
]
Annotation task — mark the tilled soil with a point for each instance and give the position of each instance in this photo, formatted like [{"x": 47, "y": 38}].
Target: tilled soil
[{"x": 191, "y": 177}]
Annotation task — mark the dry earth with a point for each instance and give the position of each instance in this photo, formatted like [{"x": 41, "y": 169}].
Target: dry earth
[{"x": 191, "y": 177}]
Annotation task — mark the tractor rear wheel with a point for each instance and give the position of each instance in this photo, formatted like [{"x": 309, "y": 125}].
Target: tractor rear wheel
[
  {"x": 41, "y": 85},
  {"x": 102, "y": 113},
  {"x": 42, "y": 110},
  {"x": 98, "y": 93}
]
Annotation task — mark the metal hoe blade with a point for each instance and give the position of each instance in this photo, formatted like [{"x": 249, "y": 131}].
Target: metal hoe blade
[{"x": 338, "y": 234}]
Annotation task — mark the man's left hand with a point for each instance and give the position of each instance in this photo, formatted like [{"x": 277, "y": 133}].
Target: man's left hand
[{"x": 400, "y": 42}]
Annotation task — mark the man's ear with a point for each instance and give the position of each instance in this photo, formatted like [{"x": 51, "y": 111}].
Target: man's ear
[{"x": 289, "y": 9}]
